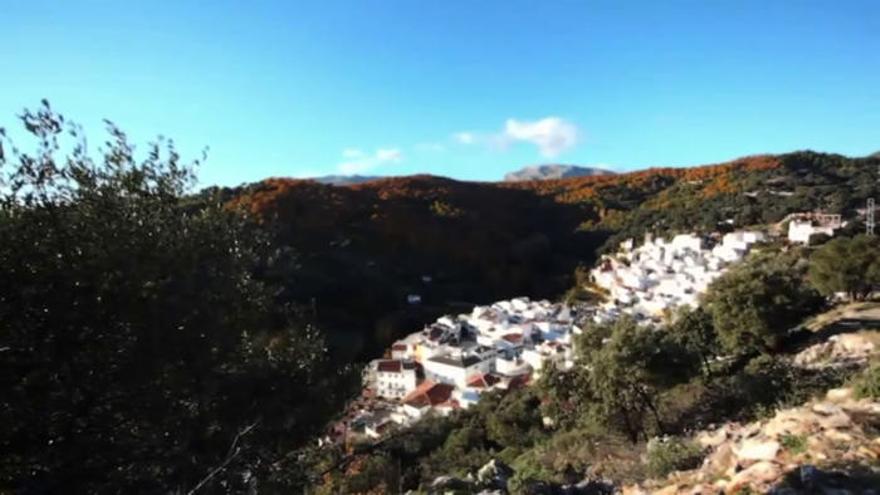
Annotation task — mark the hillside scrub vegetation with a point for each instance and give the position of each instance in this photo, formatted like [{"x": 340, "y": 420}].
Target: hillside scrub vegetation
[
  {"x": 867, "y": 383},
  {"x": 624, "y": 411},
  {"x": 138, "y": 351}
]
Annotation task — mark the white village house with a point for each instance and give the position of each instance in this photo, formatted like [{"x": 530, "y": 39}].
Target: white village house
[
  {"x": 457, "y": 368},
  {"x": 803, "y": 226},
  {"x": 452, "y": 362},
  {"x": 395, "y": 378}
]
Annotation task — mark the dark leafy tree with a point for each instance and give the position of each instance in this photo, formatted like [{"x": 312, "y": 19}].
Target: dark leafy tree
[
  {"x": 561, "y": 396},
  {"x": 138, "y": 354},
  {"x": 624, "y": 375},
  {"x": 756, "y": 303},
  {"x": 694, "y": 331},
  {"x": 850, "y": 265}
]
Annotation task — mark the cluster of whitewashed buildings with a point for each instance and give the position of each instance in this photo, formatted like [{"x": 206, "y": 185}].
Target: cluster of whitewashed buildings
[
  {"x": 648, "y": 281},
  {"x": 453, "y": 361}
]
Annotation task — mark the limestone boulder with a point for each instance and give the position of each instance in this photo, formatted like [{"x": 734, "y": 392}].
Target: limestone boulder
[{"x": 757, "y": 449}]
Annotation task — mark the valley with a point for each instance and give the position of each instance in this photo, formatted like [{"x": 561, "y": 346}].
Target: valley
[
  {"x": 350, "y": 255},
  {"x": 440, "y": 248}
]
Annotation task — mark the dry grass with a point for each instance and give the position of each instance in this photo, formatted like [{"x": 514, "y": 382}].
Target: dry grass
[{"x": 868, "y": 311}]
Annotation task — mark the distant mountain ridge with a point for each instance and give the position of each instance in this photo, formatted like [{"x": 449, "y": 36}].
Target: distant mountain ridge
[
  {"x": 531, "y": 172},
  {"x": 553, "y": 171},
  {"x": 345, "y": 180}
]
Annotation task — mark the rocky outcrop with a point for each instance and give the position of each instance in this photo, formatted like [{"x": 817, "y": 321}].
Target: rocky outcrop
[
  {"x": 826, "y": 446},
  {"x": 493, "y": 477},
  {"x": 494, "y": 474},
  {"x": 843, "y": 350}
]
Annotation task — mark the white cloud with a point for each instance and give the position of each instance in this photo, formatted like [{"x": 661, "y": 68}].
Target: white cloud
[
  {"x": 430, "y": 147},
  {"x": 358, "y": 162},
  {"x": 352, "y": 153},
  {"x": 465, "y": 137},
  {"x": 388, "y": 155},
  {"x": 552, "y": 135}
]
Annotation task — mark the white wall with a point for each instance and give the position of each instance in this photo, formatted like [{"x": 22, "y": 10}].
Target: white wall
[
  {"x": 394, "y": 385},
  {"x": 456, "y": 375}
]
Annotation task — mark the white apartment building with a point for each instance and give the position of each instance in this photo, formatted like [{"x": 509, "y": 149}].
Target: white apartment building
[
  {"x": 395, "y": 378},
  {"x": 458, "y": 368}
]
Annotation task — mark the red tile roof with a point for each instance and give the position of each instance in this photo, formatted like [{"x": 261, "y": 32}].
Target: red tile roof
[
  {"x": 392, "y": 366},
  {"x": 485, "y": 380},
  {"x": 429, "y": 393},
  {"x": 422, "y": 388},
  {"x": 513, "y": 338}
]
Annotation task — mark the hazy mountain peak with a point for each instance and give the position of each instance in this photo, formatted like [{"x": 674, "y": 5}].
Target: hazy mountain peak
[
  {"x": 344, "y": 180},
  {"x": 553, "y": 171}
]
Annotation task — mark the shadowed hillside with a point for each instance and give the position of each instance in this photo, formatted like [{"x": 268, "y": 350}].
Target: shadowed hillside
[
  {"x": 357, "y": 252},
  {"x": 354, "y": 253}
]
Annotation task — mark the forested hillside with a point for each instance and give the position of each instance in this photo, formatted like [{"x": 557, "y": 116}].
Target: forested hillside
[
  {"x": 354, "y": 253},
  {"x": 749, "y": 191}
]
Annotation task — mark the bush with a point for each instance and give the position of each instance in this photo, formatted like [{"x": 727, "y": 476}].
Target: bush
[
  {"x": 373, "y": 473},
  {"x": 140, "y": 341},
  {"x": 672, "y": 454},
  {"x": 529, "y": 471},
  {"x": 867, "y": 384},
  {"x": 796, "y": 444},
  {"x": 570, "y": 456}
]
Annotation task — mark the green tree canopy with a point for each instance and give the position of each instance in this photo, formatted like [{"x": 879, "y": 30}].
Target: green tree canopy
[
  {"x": 624, "y": 367},
  {"x": 757, "y": 302},
  {"x": 694, "y": 330},
  {"x": 847, "y": 264},
  {"x": 138, "y": 354}
]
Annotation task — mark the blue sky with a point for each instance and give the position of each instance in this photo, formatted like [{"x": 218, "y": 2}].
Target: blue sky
[{"x": 468, "y": 89}]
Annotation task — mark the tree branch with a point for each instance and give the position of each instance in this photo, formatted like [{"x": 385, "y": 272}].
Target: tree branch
[{"x": 233, "y": 452}]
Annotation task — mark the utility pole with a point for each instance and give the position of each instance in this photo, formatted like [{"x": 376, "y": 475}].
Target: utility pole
[{"x": 869, "y": 217}]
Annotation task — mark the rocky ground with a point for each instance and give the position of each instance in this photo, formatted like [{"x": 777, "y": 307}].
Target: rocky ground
[{"x": 826, "y": 446}]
